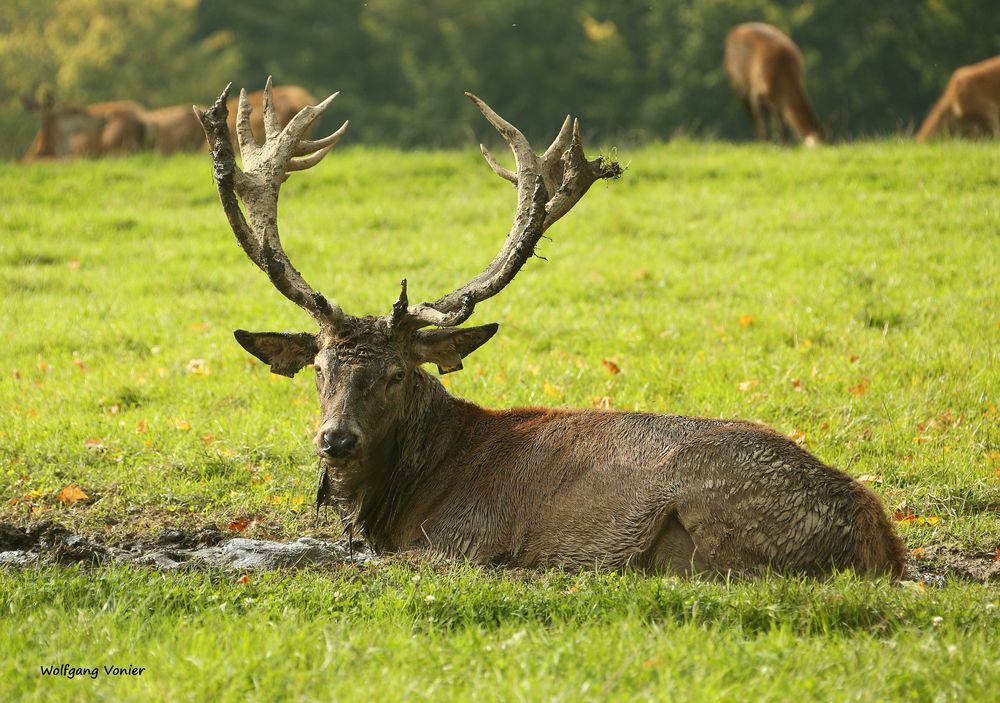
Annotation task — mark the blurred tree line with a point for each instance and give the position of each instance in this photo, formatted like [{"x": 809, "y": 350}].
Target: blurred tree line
[{"x": 635, "y": 70}]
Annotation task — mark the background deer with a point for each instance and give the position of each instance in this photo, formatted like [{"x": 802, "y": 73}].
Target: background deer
[
  {"x": 971, "y": 102},
  {"x": 415, "y": 468},
  {"x": 766, "y": 71},
  {"x": 108, "y": 128},
  {"x": 176, "y": 128}
]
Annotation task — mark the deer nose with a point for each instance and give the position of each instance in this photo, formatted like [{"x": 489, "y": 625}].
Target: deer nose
[{"x": 339, "y": 444}]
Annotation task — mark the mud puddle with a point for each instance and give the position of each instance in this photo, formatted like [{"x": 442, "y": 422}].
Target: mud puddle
[{"x": 48, "y": 543}]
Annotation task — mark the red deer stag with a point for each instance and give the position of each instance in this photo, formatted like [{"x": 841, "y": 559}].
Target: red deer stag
[
  {"x": 765, "y": 70},
  {"x": 108, "y": 128},
  {"x": 415, "y": 468},
  {"x": 970, "y": 102},
  {"x": 176, "y": 128}
]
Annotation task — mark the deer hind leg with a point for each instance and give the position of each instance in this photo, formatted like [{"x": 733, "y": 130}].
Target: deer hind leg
[
  {"x": 758, "y": 113},
  {"x": 673, "y": 550}
]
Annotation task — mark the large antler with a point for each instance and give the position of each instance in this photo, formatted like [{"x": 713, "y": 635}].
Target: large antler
[
  {"x": 547, "y": 187},
  {"x": 265, "y": 168}
]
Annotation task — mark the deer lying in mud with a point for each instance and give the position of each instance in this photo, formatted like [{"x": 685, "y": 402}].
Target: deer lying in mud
[
  {"x": 415, "y": 468},
  {"x": 108, "y": 128},
  {"x": 766, "y": 71},
  {"x": 970, "y": 102}
]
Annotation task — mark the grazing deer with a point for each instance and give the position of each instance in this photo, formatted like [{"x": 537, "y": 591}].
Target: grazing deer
[
  {"x": 108, "y": 128},
  {"x": 176, "y": 128},
  {"x": 971, "y": 101},
  {"x": 416, "y": 468},
  {"x": 765, "y": 70}
]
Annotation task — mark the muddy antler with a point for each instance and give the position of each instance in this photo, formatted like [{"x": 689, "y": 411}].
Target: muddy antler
[
  {"x": 265, "y": 167},
  {"x": 547, "y": 187}
]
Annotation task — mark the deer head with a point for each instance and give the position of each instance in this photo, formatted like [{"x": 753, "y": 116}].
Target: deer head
[{"x": 367, "y": 368}]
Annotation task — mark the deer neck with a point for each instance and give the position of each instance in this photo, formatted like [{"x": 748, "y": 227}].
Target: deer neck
[{"x": 382, "y": 493}]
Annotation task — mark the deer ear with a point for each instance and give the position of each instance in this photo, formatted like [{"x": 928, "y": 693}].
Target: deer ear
[
  {"x": 285, "y": 352},
  {"x": 446, "y": 347}
]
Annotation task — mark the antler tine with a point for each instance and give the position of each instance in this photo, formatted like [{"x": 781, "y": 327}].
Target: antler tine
[
  {"x": 306, "y": 147},
  {"x": 265, "y": 168},
  {"x": 561, "y": 141},
  {"x": 504, "y": 173},
  {"x": 243, "y": 131},
  {"x": 272, "y": 128},
  {"x": 562, "y": 172}
]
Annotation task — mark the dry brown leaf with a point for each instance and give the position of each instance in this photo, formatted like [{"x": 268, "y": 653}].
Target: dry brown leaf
[
  {"x": 238, "y": 525},
  {"x": 797, "y": 385},
  {"x": 745, "y": 386},
  {"x": 870, "y": 478},
  {"x": 71, "y": 495},
  {"x": 74, "y": 264},
  {"x": 94, "y": 443},
  {"x": 797, "y": 436},
  {"x": 860, "y": 388},
  {"x": 243, "y": 579},
  {"x": 611, "y": 367},
  {"x": 141, "y": 427},
  {"x": 208, "y": 439},
  {"x": 746, "y": 320},
  {"x": 182, "y": 425},
  {"x": 78, "y": 363},
  {"x": 917, "y": 553}
]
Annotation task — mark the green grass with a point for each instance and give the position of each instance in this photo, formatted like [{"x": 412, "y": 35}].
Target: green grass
[{"x": 870, "y": 273}]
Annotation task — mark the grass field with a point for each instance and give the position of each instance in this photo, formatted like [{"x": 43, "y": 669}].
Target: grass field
[{"x": 847, "y": 296}]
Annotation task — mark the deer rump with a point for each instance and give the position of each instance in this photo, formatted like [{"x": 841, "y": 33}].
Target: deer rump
[
  {"x": 415, "y": 468},
  {"x": 970, "y": 103}
]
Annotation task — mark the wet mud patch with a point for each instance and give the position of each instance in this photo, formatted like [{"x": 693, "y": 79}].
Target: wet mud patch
[
  {"x": 936, "y": 562},
  {"x": 209, "y": 547},
  {"x": 48, "y": 543}
]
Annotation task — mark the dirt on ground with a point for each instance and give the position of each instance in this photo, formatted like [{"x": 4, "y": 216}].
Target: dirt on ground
[{"x": 208, "y": 546}]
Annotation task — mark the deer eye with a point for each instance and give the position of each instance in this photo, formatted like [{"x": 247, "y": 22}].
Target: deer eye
[{"x": 397, "y": 376}]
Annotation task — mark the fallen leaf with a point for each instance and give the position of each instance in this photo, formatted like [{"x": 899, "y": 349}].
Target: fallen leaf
[
  {"x": 208, "y": 440},
  {"x": 550, "y": 389},
  {"x": 93, "y": 443},
  {"x": 78, "y": 363},
  {"x": 917, "y": 553},
  {"x": 604, "y": 403},
  {"x": 869, "y": 478},
  {"x": 141, "y": 427},
  {"x": 745, "y": 386},
  {"x": 860, "y": 388},
  {"x": 921, "y": 440},
  {"x": 17, "y": 374},
  {"x": 996, "y": 557},
  {"x": 797, "y": 385},
  {"x": 853, "y": 358},
  {"x": 243, "y": 579},
  {"x": 238, "y": 525},
  {"x": 297, "y": 500},
  {"x": 71, "y": 495},
  {"x": 198, "y": 367},
  {"x": 182, "y": 425},
  {"x": 992, "y": 410},
  {"x": 611, "y": 367},
  {"x": 797, "y": 436},
  {"x": 199, "y": 326},
  {"x": 74, "y": 264},
  {"x": 42, "y": 365},
  {"x": 746, "y": 320}
]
